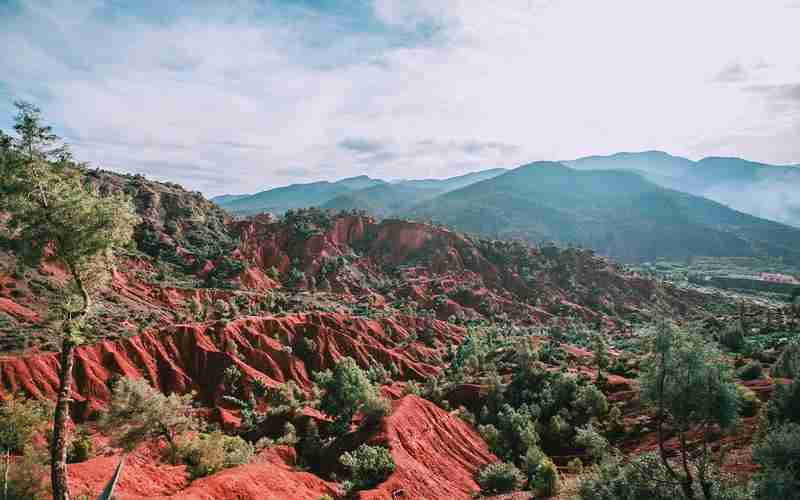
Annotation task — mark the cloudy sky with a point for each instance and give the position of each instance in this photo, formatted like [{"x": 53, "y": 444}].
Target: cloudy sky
[{"x": 259, "y": 94}]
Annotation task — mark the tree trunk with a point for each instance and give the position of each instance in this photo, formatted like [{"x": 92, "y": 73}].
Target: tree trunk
[
  {"x": 688, "y": 481},
  {"x": 5, "y": 475},
  {"x": 660, "y": 423},
  {"x": 58, "y": 448}
]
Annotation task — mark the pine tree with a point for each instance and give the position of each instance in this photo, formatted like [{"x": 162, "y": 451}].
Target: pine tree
[{"x": 54, "y": 216}]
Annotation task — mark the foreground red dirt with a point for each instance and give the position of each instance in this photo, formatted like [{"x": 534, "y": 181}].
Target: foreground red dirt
[{"x": 436, "y": 455}]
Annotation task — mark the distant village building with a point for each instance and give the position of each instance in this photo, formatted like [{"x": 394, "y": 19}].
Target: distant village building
[{"x": 779, "y": 278}]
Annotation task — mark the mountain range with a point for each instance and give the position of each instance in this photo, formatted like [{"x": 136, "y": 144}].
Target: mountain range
[
  {"x": 630, "y": 206},
  {"x": 767, "y": 191},
  {"x": 615, "y": 212},
  {"x": 377, "y": 196}
]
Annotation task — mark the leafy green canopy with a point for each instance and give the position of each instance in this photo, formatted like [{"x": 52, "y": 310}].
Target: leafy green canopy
[
  {"x": 689, "y": 384},
  {"x": 21, "y": 419},
  {"x": 52, "y": 213},
  {"x": 347, "y": 391},
  {"x": 368, "y": 466},
  {"x": 689, "y": 380},
  {"x": 138, "y": 412},
  {"x": 778, "y": 455}
]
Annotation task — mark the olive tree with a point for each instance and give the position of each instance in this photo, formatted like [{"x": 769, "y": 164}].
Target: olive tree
[
  {"x": 54, "y": 215},
  {"x": 777, "y": 454},
  {"x": 690, "y": 387},
  {"x": 138, "y": 412}
]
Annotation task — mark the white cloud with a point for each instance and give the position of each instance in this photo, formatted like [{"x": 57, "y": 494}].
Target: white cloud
[{"x": 240, "y": 99}]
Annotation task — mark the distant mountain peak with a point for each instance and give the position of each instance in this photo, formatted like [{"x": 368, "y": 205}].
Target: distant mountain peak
[{"x": 362, "y": 177}]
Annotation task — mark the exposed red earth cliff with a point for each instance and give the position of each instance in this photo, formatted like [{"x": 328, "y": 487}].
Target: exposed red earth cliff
[
  {"x": 436, "y": 453},
  {"x": 271, "y": 475},
  {"x": 193, "y": 357}
]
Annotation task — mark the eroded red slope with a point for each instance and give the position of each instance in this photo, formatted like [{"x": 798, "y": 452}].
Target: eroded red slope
[
  {"x": 436, "y": 454},
  {"x": 183, "y": 358},
  {"x": 271, "y": 475}
]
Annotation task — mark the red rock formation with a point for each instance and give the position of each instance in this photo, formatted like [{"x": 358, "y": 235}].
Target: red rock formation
[
  {"x": 10, "y": 307},
  {"x": 436, "y": 454},
  {"x": 144, "y": 476},
  {"x": 182, "y": 358}
]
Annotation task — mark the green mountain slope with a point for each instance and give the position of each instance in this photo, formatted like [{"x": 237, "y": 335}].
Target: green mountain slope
[
  {"x": 362, "y": 193},
  {"x": 382, "y": 200},
  {"x": 453, "y": 183},
  {"x": 395, "y": 199},
  {"x": 618, "y": 213},
  {"x": 767, "y": 191},
  {"x": 281, "y": 199}
]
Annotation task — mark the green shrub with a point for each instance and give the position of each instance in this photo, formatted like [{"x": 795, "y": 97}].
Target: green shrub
[
  {"x": 20, "y": 420},
  {"x": 575, "y": 466},
  {"x": 778, "y": 455},
  {"x": 733, "y": 337},
  {"x": 80, "y": 448},
  {"x": 547, "y": 482},
  {"x": 295, "y": 278},
  {"x": 749, "y": 402},
  {"x": 412, "y": 388},
  {"x": 378, "y": 375},
  {"x": 285, "y": 399},
  {"x": 138, "y": 412},
  {"x": 784, "y": 406},
  {"x": 615, "y": 424},
  {"x": 288, "y": 436},
  {"x": 788, "y": 364},
  {"x": 591, "y": 402},
  {"x": 347, "y": 390},
  {"x": 499, "y": 477},
  {"x": 207, "y": 454},
  {"x": 374, "y": 410},
  {"x": 641, "y": 478},
  {"x": 596, "y": 446},
  {"x": 367, "y": 466},
  {"x": 225, "y": 269},
  {"x": 750, "y": 371}
]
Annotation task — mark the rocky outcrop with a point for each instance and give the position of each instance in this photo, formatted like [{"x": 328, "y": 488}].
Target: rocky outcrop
[
  {"x": 193, "y": 357},
  {"x": 436, "y": 454}
]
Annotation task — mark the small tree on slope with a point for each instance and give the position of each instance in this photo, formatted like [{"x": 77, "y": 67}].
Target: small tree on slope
[
  {"x": 690, "y": 387},
  {"x": 138, "y": 412},
  {"x": 54, "y": 216}
]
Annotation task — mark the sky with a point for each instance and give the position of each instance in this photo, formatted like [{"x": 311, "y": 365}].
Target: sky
[{"x": 249, "y": 95}]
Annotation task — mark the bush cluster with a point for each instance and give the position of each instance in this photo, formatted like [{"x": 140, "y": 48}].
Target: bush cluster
[
  {"x": 367, "y": 466},
  {"x": 205, "y": 454},
  {"x": 499, "y": 477},
  {"x": 347, "y": 391}
]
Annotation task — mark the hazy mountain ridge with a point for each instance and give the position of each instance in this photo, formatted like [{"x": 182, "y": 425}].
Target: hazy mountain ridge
[
  {"x": 767, "y": 191},
  {"x": 362, "y": 192},
  {"x": 631, "y": 206},
  {"x": 280, "y": 199},
  {"x": 616, "y": 212}
]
